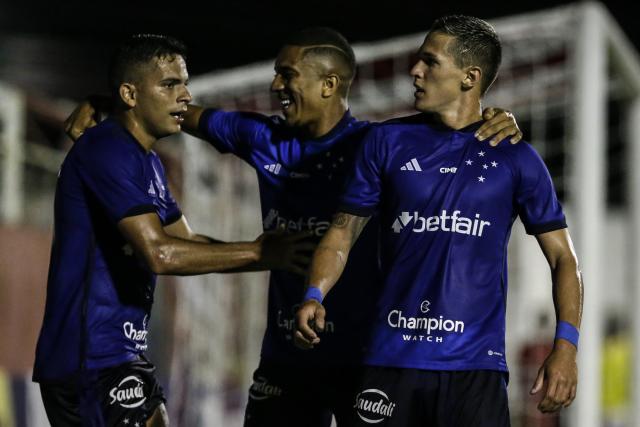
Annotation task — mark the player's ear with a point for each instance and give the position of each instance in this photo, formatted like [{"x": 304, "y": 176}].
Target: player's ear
[
  {"x": 330, "y": 85},
  {"x": 471, "y": 78},
  {"x": 127, "y": 92}
]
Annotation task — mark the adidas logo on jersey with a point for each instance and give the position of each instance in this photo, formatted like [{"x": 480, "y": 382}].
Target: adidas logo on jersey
[
  {"x": 412, "y": 165},
  {"x": 273, "y": 168},
  {"x": 151, "y": 190}
]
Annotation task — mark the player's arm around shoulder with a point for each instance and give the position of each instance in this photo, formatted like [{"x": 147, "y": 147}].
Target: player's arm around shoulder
[
  {"x": 86, "y": 115},
  {"x": 236, "y": 132},
  {"x": 327, "y": 264},
  {"x": 560, "y": 369},
  {"x": 499, "y": 124}
]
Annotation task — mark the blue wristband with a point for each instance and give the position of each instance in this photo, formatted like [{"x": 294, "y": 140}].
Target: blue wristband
[
  {"x": 313, "y": 293},
  {"x": 567, "y": 331}
]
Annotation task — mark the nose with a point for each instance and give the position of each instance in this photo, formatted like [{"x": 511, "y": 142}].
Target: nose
[
  {"x": 185, "y": 95},
  {"x": 417, "y": 70},
  {"x": 276, "y": 83}
]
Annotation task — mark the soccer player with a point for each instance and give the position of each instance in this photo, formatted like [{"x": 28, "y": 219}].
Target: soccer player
[
  {"x": 301, "y": 160},
  {"x": 116, "y": 227},
  {"x": 446, "y": 205}
]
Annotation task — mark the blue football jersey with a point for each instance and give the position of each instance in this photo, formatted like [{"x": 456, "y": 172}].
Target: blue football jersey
[
  {"x": 446, "y": 205},
  {"x": 300, "y": 183},
  {"x": 99, "y": 295}
]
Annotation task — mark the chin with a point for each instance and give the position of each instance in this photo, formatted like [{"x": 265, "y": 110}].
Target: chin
[
  {"x": 423, "y": 107},
  {"x": 420, "y": 108},
  {"x": 289, "y": 121}
]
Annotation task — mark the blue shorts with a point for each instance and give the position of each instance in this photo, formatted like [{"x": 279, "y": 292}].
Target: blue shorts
[
  {"x": 126, "y": 394},
  {"x": 396, "y": 397}
]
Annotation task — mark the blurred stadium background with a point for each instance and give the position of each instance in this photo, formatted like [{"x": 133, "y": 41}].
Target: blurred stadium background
[{"x": 572, "y": 78}]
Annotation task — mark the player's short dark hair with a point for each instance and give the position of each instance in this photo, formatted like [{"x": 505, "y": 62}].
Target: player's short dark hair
[
  {"x": 476, "y": 43},
  {"x": 327, "y": 42},
  {"x": 137, "y": 51}
]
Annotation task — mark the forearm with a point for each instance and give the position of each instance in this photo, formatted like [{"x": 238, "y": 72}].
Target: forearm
[
  {"x": 565, "y": 273},
  {"x": 204, "y": 239},
  {"x": 249, "y": 268},
  {"x": 567, "y": 290},
  {"x": 182, "y": 230},
  {"x": 252, "y": 267},
  {"x": 559, "y": 369},
  {"x": 182, "y": 257},
  {"x": 332, "y": 253},
  {"x": 172, "y": 250},
  {"x": 327, "y": 265}
]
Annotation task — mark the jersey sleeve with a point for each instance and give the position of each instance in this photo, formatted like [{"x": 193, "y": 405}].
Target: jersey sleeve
[
  {"x": 361, "y": 194},
  {"x": 115, "y": 179},
  {"x": 232, "y": 132},
  {"x": 167, "y": 207},
  {"x": 172, "y": 211},
  {"x": 538, "y": 205}
]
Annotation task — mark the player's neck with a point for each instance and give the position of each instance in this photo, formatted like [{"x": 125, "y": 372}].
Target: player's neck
[
  {"x": 128, "y": 120},
  {"x": 460, "y": 115},
  {"x": 329, "y": 119}
]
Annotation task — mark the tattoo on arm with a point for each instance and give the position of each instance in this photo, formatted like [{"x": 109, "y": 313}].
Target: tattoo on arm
[
  {"x": 354, "y": 224},
  {"x": 341, "y": 220}
]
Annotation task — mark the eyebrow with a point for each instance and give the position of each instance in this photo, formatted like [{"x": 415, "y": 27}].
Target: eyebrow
[
  {"x": 429, "y": 55},
  {"x": 281, "y": 68},
  {"x": 174, "y": 80}
]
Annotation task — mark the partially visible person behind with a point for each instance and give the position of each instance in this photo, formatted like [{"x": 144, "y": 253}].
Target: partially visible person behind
[
  {"x": 301, "y": 161},
  {"x": 446, "y": 205},
  {"x": 116, "y": 226},
  {"x": 617, "y": 365}
]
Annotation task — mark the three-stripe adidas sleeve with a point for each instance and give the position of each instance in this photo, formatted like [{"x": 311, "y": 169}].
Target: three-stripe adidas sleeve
[{"x": 361, "y": 196}]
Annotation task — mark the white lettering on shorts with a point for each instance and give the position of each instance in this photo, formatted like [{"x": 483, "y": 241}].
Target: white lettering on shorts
[
  {"x": 374, "y": 406},
  {"x": 261, "y": 389},
  {"x": 129, "y": 392}
]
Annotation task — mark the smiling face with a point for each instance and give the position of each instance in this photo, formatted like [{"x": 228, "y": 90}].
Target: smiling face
[
  {"x": 437, "y": 80},
  {"x": 161, "y": 96},
  {"x": 298, "y": 83}
]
